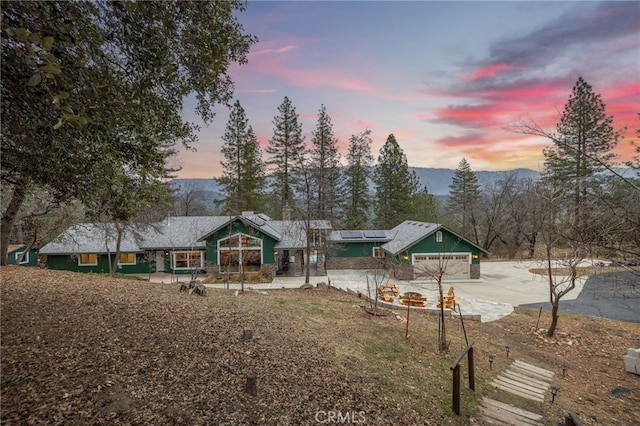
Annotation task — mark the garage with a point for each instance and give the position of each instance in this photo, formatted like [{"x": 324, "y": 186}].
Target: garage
[{"x": 454, "y": 265}]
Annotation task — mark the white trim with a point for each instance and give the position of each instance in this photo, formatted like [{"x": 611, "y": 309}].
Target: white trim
[
  {"x": 17, "y": 256},
  {"x": 189, "y": 266},
  {"x": 240, "y": 248},
  {"x": 438, "y": 236}
]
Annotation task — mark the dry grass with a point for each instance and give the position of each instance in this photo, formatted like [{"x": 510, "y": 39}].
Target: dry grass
[{"x": 82, "y": 349}]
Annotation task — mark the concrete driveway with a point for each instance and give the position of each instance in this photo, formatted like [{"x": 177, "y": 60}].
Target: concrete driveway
[{"x": 502, "y": 286}]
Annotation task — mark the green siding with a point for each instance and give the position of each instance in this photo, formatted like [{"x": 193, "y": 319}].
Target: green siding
[
  {"x": 70, "y": 263},
  {"x": 12, "y": 257},
  {"x": 356, "y": 249},
  {"x": 268, "y": 243},
  {"x": 450, "y": 244}
]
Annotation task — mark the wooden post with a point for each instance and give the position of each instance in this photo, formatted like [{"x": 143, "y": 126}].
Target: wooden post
[
  {"x": 572, "y": 420},
  {"x": 252, "y": 384},
  {"x": 455, "y": 367},
  {"x": 456, "y": 389}
]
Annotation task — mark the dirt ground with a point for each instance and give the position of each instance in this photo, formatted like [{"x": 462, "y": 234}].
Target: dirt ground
[{"x": 83, "y": 349}]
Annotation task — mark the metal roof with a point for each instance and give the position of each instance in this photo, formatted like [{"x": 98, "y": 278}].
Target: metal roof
[
  {"x": 182, "y": 231},
  {"x": 91, "y": 238},
  {"x": 407, "y": 234},
  {"x": 175, "y": 232}
]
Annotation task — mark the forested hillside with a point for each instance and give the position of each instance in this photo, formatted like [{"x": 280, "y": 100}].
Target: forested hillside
[{"x": 437, "y": 181}]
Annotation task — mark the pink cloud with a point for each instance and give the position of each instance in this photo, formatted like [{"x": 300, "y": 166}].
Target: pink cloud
[
  {"x": 489, "y": 71},
  {"x": 271, "y": 50}
]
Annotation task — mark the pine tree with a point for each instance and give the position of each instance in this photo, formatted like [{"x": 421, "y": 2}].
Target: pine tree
[
  {"x": 325, "y": 161},
  {"x": 243, "y": 175},
  {"x": 464, "y": 194},
  {"x": 396, "y": 186},
  {"x": 286, "y": 149},
  {"x": 359, "y": 161},
  {"x": 582, "y": 148}
]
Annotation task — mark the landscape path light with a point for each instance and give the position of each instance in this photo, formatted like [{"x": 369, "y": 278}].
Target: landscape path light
[
  {"x": 507, "y": 348},
  {"x": 491, "y": 358},
  {"x": 554, "y": 392},
  {"x": 564, "y": 369}
]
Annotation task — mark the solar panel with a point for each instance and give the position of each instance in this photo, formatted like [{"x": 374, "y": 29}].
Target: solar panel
[
  {"x": 374, "y": 234},
  {"x": 350, "y": 235}
]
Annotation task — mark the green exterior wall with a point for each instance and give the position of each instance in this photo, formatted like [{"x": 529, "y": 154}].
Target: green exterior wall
[
  {"x": 450, "y": 244},
  {"x": 70, "y": 263},
  {"x": 356, "y": 249},
  {"x": 12, "y": 256},
  {"x": 268, "y": 243}
]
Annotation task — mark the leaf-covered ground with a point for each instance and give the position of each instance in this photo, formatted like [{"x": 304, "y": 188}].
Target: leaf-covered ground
[{"x": 82, "y": 349}]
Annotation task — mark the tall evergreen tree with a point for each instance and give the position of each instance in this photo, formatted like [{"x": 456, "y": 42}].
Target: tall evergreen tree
[
  {"x": 286, "y": 149},
  {"x": 359, "y": 161},
  {"x": 464, "y": 195},
  {"x": 325, "y": 161},
  {"x": 582, "y": 148},
  {"x": 243, "y": 172},
  {"x": 425, "y": 206},
  {"x": 396, "y": 186}
]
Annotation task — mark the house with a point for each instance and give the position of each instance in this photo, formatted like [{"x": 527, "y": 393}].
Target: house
[
  {"x": 15, "y": 251},
  {"x": 252, "y": 242},
  {"x": 185, "y": 244},
  {"x": 411, "y": 250}
]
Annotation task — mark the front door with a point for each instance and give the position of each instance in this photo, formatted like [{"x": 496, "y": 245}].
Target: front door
[{"x": 160, "y": 261}]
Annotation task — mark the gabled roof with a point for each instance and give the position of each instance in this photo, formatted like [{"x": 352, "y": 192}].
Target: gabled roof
[
  {"x": 261, "y": 222},
  {"x": 411, "y": 232},
  {"x": 407, "y": 234},
  {"x": 181, "y": 231},
  {"x": 175, "y": 232}
]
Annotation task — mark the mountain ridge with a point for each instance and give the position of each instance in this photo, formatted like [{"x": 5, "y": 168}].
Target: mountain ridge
[{"x": 437, "y": 180}]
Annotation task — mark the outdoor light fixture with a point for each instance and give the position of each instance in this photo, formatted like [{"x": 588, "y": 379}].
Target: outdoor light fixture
[
  {"x": 475, "y": 256},
  {"x": 507, "y": 348},
  {"x": 554, "y": 392},
  {"x": 491, "y": 358},
  {"x": 405, "y": 257},
  {"x": 564, "y": 369}
]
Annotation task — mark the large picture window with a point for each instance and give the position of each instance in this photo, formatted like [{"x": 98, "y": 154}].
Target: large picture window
[
  {"x": 88, "y": 259},
  {"x": 188, "y": 260},
  {"x": 240, "y": 253}
]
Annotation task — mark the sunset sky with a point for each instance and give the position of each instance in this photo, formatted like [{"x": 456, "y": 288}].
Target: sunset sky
[{"x": 444, "y": 77}]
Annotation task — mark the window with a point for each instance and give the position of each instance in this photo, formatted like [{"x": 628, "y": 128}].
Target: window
[
  {"x": 24, "y": 260},
  {"x": 439, "y": 237},
  {"x": 127, "y": 259},
  {"x": 188, "y": 260},
  {"x": 240, "y": 252},
  {"x": 88, "y": 259},
  {"x": 378, "y": 252}
]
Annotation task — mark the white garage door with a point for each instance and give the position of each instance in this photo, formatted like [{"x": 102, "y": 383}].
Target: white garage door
[{"x": 454, "y": 265}]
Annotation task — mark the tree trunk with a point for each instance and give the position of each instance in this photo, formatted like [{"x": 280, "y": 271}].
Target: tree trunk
[
  {"x": 31, "y": 245},
  {"x": 554, "y": 318},
  {"x": 9, "y": 218},
  {"x": 113, "y": 266}
]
